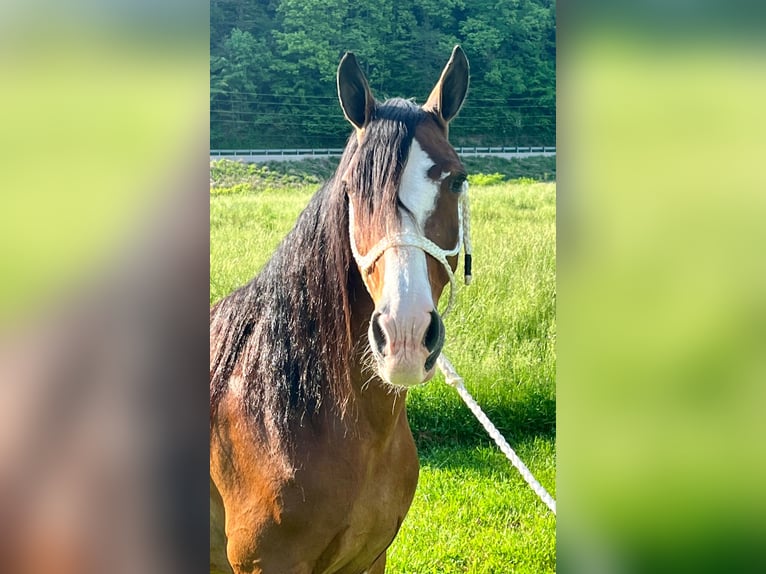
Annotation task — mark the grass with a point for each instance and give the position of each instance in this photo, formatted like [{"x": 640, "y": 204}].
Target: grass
[{"x": 472, "y": 511}]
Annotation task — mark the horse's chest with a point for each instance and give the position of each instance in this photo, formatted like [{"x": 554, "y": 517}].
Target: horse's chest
[
  {"x": 362, "y": 496},
  {"x": 331, "y": 508}
]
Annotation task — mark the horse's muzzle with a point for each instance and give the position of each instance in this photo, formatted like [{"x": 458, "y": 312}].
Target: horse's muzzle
[{"x": 406, "y": 348}]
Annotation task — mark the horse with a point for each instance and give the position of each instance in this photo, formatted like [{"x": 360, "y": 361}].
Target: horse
[{"x": 313, "y": 465}]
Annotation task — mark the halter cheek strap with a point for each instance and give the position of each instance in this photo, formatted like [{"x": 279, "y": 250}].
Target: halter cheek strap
[{"x": 365, "y": 262}]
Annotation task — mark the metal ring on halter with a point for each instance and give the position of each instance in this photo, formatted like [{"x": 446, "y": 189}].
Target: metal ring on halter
[{"x": 365, "y": 262}]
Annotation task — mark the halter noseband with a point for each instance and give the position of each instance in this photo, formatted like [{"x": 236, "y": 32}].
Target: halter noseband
[{"x": 365, "y": 262}]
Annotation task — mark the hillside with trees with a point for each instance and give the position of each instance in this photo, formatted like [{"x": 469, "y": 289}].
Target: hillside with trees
[{"x": 273, "y": 65}]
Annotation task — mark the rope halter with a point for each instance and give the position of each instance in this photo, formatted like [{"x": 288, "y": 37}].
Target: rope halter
[{"x": 405, "y": 239}]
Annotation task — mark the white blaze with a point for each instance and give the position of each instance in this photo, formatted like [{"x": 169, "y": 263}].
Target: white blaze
[{"x": 406, "y": 289}]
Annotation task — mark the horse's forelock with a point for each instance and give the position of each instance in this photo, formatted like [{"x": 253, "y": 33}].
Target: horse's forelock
[{"x": 372, "y": 169}]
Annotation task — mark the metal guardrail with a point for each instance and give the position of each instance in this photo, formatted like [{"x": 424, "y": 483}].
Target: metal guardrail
[
  {"x": 277, "y": 152},
  {"x": 339, "y": 151}
]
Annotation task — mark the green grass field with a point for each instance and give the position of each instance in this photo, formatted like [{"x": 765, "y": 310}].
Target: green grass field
[{"x": 472, "y": 511}]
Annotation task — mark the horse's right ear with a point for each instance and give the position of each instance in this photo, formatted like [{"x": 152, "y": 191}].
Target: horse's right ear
[{"x": 355, "y": 96}]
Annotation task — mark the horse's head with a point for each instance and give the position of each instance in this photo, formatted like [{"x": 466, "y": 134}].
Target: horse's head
[{"x": 405, "y": 187}]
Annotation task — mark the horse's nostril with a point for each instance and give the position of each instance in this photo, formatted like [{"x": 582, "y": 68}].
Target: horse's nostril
[
  {"x": 378, "y": 338},
  {"x": 434, "y": 337},
  {"x": 434, "y": 340}
]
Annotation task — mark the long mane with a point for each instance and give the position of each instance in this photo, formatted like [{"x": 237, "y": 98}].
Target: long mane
[{"x": 288, "y": 332}]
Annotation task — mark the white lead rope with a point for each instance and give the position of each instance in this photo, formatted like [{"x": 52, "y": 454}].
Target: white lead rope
[
  {"x": 455, "y": 380},
  {"x": 365, "y": 263}
]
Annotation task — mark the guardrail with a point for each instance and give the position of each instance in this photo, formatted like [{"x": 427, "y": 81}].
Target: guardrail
[
  {"x": 505, "y": 149},
  {"x": 279, "y": 152},
  {"x": 542, "y": 150}
]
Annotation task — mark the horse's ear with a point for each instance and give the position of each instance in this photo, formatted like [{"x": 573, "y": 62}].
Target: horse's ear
[
  {"x": 449, "y": 93},
  {"x": 354, "y": 93}
]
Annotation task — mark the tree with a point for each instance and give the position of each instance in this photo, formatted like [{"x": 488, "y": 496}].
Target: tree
[{"x": 273, "y": 65}]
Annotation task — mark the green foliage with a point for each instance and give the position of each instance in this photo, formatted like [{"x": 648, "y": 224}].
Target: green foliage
[
  {"x": 472, "y": 511},
  {"x": 485, "y": 178},
  {"x": 231, "y": 189},
  {"x": 536, "y": 168},
  {"x": 228, "y": 177},
  {"x": 273, "y": 66},
  {"x": 317, "y": 169}
]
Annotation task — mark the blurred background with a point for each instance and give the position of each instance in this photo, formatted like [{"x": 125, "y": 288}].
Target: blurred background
[
  {"x": 661, "y": 280},
  {"x": 104, "y": 286}
]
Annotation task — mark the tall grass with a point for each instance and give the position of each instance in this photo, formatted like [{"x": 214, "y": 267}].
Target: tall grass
[{"x": 472, "y": 511}]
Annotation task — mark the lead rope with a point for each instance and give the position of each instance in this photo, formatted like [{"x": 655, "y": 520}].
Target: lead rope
[
  {"x": 365, "y": 262},
  {"x": 456, "y": 381}
]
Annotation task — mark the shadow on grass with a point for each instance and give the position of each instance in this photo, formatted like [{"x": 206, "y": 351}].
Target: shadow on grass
[
  {"x": 439, "y": 418},
  {"x": 466, "y": 461}
]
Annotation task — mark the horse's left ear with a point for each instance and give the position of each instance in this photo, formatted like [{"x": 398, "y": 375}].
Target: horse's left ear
[{"x": 449, "y": 93}]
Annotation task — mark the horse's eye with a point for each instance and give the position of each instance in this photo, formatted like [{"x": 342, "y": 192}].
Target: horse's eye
[{"x": 457, "y": 184}]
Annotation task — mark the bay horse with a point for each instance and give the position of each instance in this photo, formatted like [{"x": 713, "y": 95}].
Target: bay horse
[{"x": 312, "y": 462}]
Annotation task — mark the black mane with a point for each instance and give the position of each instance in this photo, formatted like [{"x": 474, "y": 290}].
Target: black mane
[{"x": 288, "y": 331}]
